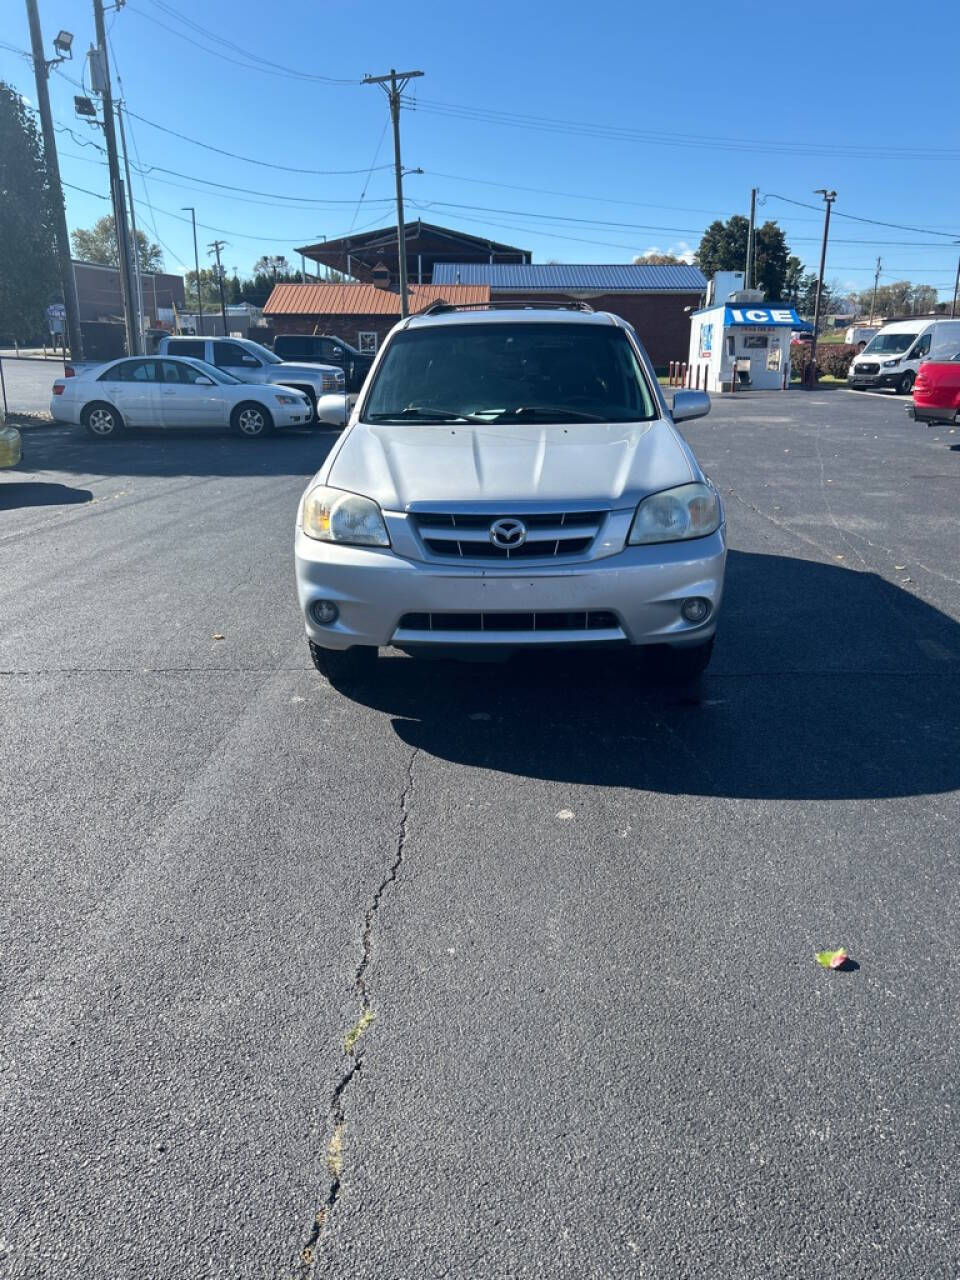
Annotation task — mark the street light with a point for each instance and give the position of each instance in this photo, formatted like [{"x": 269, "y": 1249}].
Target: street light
[
  {"x": 187, "y": 208},
  {"x": 828, "y": 198},
  {"x": 63, "y": 43}
]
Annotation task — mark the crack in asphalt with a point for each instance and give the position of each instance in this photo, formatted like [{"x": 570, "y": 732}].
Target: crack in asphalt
[{"x": 353, "y": 1046}]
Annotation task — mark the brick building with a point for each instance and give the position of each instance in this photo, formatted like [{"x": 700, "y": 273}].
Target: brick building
[
  {"x": 656, "y": 300},
  {"x": 361, "y": 314},
  {"x": 99, "y": 296}
]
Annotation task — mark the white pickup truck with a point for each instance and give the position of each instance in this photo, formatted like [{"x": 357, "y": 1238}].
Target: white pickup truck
[{"x": 250, "y": 362}]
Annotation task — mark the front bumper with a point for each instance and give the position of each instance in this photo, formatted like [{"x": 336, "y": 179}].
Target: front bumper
[
  {"x": 931, "y": 413},
  {"x": 292, "y": 415},
  {"x": 874, "y": 379},
  {"x": 642, "y": 586}
]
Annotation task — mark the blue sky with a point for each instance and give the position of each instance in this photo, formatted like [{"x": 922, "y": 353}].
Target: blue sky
[{"x": 584, "y": 133}]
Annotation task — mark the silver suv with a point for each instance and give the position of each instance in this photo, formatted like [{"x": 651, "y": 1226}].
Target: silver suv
[{"x": 511, "y": 479}]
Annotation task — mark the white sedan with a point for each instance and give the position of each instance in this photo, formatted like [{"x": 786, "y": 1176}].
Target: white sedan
[{"x": 169, "y": 391}]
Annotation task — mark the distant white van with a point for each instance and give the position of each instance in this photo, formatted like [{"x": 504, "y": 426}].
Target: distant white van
[{"x": 892, "y": 357}]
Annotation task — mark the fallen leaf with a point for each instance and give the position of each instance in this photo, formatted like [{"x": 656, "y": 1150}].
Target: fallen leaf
[
  {"x": 218, "y": 636},
  {"x": 832, "y": 959}
]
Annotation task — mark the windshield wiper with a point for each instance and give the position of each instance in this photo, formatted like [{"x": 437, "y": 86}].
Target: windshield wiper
[
  {"x": 551, "y": 413},
  {"x": 421, "y": 413}
]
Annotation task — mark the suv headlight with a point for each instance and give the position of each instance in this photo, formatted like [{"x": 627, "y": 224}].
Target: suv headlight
[
  {"x": 332, "y": 515},
  {"x": 689, "y": 511},
  {"x": 888, "y": 364}
]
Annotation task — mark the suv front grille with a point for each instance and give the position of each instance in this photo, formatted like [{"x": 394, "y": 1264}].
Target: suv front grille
[
  {"x": 575, "y": 620},
  {"x": 467, "y": 535}
]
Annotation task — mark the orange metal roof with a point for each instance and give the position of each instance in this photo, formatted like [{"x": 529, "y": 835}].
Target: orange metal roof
[{"x": 365, "y": 299}]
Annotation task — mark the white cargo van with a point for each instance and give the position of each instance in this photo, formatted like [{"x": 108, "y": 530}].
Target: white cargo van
[{"x": 892, "y": 357}]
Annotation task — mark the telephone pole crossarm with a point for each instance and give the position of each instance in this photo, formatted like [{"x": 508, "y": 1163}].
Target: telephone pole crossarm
[
  {"x": 215, "y": 247},
  {"x": 394, "y": 85}
]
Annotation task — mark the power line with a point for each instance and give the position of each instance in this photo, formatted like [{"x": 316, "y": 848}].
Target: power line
[
  {"x": 266, "y": 164},
  {"x": 898, "y": 226},
  {"x": 649, "y": 137},
  {"x": 251, "y": 63},
  {"x": 363, "y": 193}
]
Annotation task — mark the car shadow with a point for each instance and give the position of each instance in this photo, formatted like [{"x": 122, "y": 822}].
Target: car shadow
[
  {"x": 826, "y": 684},
  {"x": 16, "y": 494},
  {"x": 185, "y": 451}
]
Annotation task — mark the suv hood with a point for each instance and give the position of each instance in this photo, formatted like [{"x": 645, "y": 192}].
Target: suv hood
[
  {"x": 608, "y": 463},
  {"x": 280, "y": 372}
]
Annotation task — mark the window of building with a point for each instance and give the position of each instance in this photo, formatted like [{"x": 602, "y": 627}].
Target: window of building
[{"x": 367, "y": 342}]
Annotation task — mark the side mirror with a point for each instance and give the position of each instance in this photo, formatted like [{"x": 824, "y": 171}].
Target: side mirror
[
  {"x": 203, "y": 381},
  {"x": 333, "y": 409},
  {"x": 690, "y": 404}
]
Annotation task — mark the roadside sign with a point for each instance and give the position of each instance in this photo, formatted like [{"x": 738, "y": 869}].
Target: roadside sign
[{"x": 56, "y": 317}]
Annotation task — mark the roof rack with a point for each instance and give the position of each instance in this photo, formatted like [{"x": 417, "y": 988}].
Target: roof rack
[{"x": 438, "y": 307}]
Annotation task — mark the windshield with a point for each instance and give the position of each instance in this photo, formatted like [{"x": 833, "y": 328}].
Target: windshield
[
  {"x": 211, "y": 371},
  {"x": 526, "y": 372},
  {"x": 889, "y": 342},
  {"x": 262, "y": 352}
]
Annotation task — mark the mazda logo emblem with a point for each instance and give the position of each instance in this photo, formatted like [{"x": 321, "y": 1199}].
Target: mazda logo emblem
[{"x": 508, "y": 534}]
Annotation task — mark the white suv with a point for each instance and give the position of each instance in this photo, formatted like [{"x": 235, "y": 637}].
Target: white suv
[{"x": 511, "y": 478}]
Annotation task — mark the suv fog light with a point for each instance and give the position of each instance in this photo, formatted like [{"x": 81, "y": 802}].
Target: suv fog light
[
  {"x": 324, "y": 613},
  {"x": 696, "y": 609}
]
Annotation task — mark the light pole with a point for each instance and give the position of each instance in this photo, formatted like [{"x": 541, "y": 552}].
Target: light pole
[
  {"x": 63, "y": 44},
  {"x": 196, "y": 258},
  {"x": 956, "y": 288},
  {"x": 829, "y": 197}
]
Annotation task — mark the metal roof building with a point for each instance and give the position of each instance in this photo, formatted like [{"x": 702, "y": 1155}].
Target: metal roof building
[{"x": 558, "y": 277}]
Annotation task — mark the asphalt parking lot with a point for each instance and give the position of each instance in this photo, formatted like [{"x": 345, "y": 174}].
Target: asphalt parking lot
[{"x": 584, "y": 909}]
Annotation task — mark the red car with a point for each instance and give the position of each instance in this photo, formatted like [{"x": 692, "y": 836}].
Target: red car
[{"x": 936, "y": 392}]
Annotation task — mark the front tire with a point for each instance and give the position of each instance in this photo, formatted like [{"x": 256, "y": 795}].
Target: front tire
[
  {"x": 102, "y": 420},
  {"x": 251, "y": 420},
  {"x": 905, "y": 385},
  {"x": 343, "y": 667},
  {"x": 683, "y": 666}
]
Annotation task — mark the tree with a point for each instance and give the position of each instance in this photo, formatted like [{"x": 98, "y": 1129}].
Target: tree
[
  {"x": 209, "y": 290},
  {"x": 793, "y": 280},
  {"x": 899, "y": 298},
  {"x": 99, "y": 244},
  {"x": 271, "y": 265},
  {"x": 657, "y": 260},
  {"x": 724, "y": 248},
  {"x": 29, "y": 276}
]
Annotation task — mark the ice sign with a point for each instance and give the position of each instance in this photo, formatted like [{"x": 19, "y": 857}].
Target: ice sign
[{"x": 762, "y": 315}]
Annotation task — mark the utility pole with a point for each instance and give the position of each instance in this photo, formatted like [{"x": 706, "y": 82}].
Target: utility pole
[
  {"x": 398, "y": 81},
  {"x": 134, "y": 247},
  {"x": 751, "y": 233},
  {"x": 876, "y": 286},
  {"x": 956, "y": 289},
  {"x": 196, "y": 259},
  {"x": 215, "y": 248},
  {"x": 829, "y": 197},
  {"x": 100, "y": 78},
  {"x": 41, "y": 70}
]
